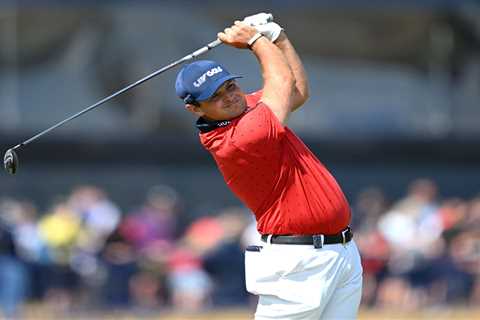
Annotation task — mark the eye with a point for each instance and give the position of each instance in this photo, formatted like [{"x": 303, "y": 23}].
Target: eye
[{"x": 231, "y": 86}]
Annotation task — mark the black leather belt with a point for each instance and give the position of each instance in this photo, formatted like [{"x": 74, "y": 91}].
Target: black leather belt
[{"x": 318, "y": 240}]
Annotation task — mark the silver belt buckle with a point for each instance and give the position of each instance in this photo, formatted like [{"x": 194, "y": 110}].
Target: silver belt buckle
[
  {"x": 344, "y": 237},
  {"x": 318, "y": 240}
]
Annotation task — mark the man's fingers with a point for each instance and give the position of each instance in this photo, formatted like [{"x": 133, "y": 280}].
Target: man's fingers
[
  {"x": 240, "y": 23},
  {"x": 222, "y": 36},
  {"x": 235, "y": 29},
  {"x": 237, "y": 35}
]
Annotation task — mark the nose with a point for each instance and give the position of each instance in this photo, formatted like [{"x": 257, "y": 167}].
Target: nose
[{"x": 229, "y": 98}]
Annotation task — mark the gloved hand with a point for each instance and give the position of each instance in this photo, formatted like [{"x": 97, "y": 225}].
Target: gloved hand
[
  {"x": 258, "y": 19},
  {"x": 271, "y": 30}
]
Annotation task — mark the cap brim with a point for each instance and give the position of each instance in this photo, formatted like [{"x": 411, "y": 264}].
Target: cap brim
[{"x": 213, "y": 88}]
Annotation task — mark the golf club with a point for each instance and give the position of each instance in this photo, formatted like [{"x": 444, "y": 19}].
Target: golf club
[{"x": 10, "y": 160}]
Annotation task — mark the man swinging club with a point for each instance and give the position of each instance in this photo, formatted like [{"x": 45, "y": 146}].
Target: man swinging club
[{"x": 309, "y": 266}]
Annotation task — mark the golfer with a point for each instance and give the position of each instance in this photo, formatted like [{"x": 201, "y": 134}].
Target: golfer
[{"x": 309, "y": 266}]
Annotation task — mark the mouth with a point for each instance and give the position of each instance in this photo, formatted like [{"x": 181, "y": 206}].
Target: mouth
[{"x": 233, "y": 104}]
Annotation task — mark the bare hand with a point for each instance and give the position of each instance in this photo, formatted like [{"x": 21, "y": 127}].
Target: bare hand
[{"x": 237, "y": 35}]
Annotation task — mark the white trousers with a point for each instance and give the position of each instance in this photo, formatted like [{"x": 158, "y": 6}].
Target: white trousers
[{"x": 301, "y": 282}]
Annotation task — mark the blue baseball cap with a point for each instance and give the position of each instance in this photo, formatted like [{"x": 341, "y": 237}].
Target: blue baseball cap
[{"x": 199, "y": 80}]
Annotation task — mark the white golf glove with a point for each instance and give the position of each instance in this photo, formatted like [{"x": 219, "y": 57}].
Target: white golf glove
[
  {"x": 258, "y": 19},
  {"x": 271, "y": 30}
]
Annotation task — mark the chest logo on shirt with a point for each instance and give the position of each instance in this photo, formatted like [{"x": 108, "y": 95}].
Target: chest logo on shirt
[
  {"x": 204, "y": 76},
  {"x": 223, "y": 123}
]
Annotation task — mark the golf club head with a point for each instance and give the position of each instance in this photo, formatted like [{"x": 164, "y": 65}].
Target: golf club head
[{"x": 10, "y": 161}]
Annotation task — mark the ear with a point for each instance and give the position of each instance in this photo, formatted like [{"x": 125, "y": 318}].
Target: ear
[{"x": 194, "y": 109}]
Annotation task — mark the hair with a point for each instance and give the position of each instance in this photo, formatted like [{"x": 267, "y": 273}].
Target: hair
[{"x": 189, "y": 99}]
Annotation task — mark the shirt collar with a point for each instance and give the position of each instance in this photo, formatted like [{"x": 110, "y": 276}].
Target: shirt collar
[
  {"x": 208, "y": 125},
  {"x": 205, "y": 125}
]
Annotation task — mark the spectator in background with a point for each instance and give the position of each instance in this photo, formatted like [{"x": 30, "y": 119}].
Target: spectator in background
[
  {"x": 13, "y": 274},
  {"x": 460, "y": 272},
  {"x": 412, "y": 224},
  {"x": 119, "y": 260},
  {"x": 225, "y": 264},
  {"x": 461, "y": 267},
  {"x": 98, "y": 215},
  {"x": 472, "y": 220},
  {"x": 60, "y": 229},
  {"x": 155, "y": 223},
  {"x": 189, "y": 284},
  {"x": 369, "y": 206},
  {"x": 32, "y": 249},
  {"x": 452, "y": 213},
  {"x": 151, "y": 231},
  {"x": 412, "y": 229}
]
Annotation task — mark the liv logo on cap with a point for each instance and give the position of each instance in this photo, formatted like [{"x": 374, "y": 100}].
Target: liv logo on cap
[
  {"x": 209, "y": 73},
  {"x": 199, "y": 80}
]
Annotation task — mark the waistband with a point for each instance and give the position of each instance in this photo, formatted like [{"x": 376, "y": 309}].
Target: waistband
[{"x": 317, "y": 240}]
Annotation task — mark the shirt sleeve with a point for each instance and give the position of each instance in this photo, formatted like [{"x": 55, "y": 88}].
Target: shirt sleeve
[
  {"x": 258, "y": 132},
  {"x": 254, "y": 97}
]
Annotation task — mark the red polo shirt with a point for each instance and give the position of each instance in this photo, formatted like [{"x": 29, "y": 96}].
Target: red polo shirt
[{"x": 275, "y": 175}]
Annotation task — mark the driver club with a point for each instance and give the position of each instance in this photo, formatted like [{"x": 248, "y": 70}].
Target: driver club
[{"x": 10, "y": 160}]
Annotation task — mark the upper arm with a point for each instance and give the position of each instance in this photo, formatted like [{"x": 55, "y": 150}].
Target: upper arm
[
  {"x": 301, "y": 90},
  {"x": 278, "y": 95}
]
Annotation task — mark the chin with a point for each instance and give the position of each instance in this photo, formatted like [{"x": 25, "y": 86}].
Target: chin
[{"x": 239, "y": 111}]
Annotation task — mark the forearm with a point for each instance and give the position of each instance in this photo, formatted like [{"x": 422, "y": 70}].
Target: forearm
[
  {"x": 301, "y": 90},
  {"x": 275, "y": 67},
  {"x": 279, "y": 80}
]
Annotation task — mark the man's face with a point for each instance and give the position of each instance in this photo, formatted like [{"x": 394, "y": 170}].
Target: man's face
[{"x": 227, "y": 102}]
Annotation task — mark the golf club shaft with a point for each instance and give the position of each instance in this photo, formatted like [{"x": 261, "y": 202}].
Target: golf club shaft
[{"x": 191, "y": 56}]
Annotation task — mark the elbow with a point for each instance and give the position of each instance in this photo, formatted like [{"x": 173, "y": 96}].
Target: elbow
[
  {"x": 302, "y": 95},
  {"x": 303, "y": 90},
  {"x": 299, "y": 97},
  {"x": 306, "y": 93}
]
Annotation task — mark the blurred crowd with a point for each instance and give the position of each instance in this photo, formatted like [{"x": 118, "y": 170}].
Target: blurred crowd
[
  {"x": 86, "y": 253},
  {"x": 420, "y": 251}
]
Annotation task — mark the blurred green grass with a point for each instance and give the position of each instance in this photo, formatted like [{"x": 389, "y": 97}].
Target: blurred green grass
[{"x": 38, "y": 312}]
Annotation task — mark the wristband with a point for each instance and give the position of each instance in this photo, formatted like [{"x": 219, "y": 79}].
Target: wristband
[{"x": 257, "y": 36}]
